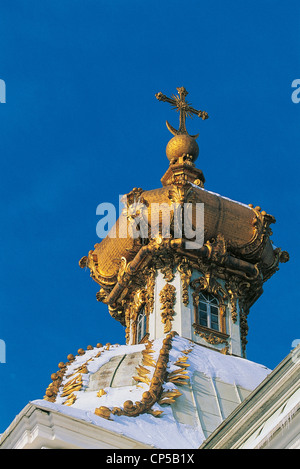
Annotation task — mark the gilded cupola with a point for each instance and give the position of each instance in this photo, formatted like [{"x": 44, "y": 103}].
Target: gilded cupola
[{"x": 181, "y": 258}]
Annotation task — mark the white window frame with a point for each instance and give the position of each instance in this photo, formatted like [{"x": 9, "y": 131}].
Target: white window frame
[{"x": 209, "y": 300}]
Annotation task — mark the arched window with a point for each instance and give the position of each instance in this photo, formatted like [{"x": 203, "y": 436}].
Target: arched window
[
  {"x": 208, "y": 311},
  {"x": 141, "y": 329}
]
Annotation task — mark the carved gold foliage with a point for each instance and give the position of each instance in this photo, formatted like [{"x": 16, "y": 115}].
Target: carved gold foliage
[
  {"x": 165, "y": 263},
  {"x": 232, "y": 288},
  {"x": 73, "y": 384},
  {"x": 181, "y": 361},
  {"x": 180, "y": 192},
  {"x": 150, "y": 397},
  {"x": 208, "y": 283},
  {"x": 185, "y": 275},
  {"x": 142, "y": 371},
  {"x": 168, "y": 397},
  {"x": 150, "y": 273},
  {"x": 167, "y": 299},
  {"x": 168, "y": 273},
  {"x": 237, "y": 289},
  {"x": 71, "y": 399},
  {"x": 180, "y": 376},
  {"x": 146, "y": 361},
  {"x": 217, "y": 249},
  {"x": 210, "y": 337},
  {"x": 142, "y": 379}
]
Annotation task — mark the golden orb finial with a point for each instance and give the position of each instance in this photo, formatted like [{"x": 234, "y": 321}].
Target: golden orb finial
[{"x": 182, "y": 145}]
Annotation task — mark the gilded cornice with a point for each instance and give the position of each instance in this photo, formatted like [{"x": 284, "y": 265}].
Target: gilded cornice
[{"x": 243, "y": 281}]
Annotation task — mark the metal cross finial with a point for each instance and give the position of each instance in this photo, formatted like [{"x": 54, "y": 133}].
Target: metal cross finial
[{"x": 180, "y": 104}]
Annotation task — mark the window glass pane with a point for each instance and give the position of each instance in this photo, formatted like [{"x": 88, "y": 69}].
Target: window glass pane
[
  {"x": 208, "y": 311},
  {"x": 144, "y": 331},
  {"x": 204, "y": 296},
  {"x": 203, "y": 317},
  {"x": 203, "y": 321},
  {"x": 214, "y": 318},
  {"x": 141, "y": 325},
  {"x": 210, "y": 297},
  {"x": 214, "y": 301},
  {"x": 139, "y": 332}
]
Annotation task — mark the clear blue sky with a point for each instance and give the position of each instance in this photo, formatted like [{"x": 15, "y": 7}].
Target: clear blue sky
[{"x": 81, "y": 125}]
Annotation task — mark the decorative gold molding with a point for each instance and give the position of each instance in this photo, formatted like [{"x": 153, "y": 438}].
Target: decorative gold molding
[
  {"x": 217, "y": 250},
  {"x": 210, "y": 336},
  {"x": 167, "y": 299}
]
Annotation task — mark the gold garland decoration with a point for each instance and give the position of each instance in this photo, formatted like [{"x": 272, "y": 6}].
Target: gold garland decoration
[
  {"x": 167, "y": 299},
  {"x": 155, "y": 392},
  {"x": 75, "y": 384}
]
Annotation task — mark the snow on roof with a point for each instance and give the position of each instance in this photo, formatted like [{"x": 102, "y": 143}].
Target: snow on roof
[
  {"x": 217, "y": 384},
  {"x": 221, "y": 196}
]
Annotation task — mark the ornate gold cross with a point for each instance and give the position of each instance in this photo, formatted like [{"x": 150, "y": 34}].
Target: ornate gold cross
[{"x": 180, "y": 104}]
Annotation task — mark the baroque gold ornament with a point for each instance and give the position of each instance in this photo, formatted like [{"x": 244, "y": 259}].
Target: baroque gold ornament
[
  {"x": 167, "y": 300},
  {"x": 150, "y": 397}
]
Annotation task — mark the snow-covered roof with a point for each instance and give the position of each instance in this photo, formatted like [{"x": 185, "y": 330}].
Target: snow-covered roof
[{"x": 200, "y": 388}]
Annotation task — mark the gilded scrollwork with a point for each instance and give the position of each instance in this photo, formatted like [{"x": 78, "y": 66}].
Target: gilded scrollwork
[
  {"x": 165, "y": 263},
  {"x": 217, "y": 249},
  {"x": 212, "y": 338},
  {"x": 208, "y": 283},
  {"x": 262, "y": 231},
  {"x": 232, "y": 286}
]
